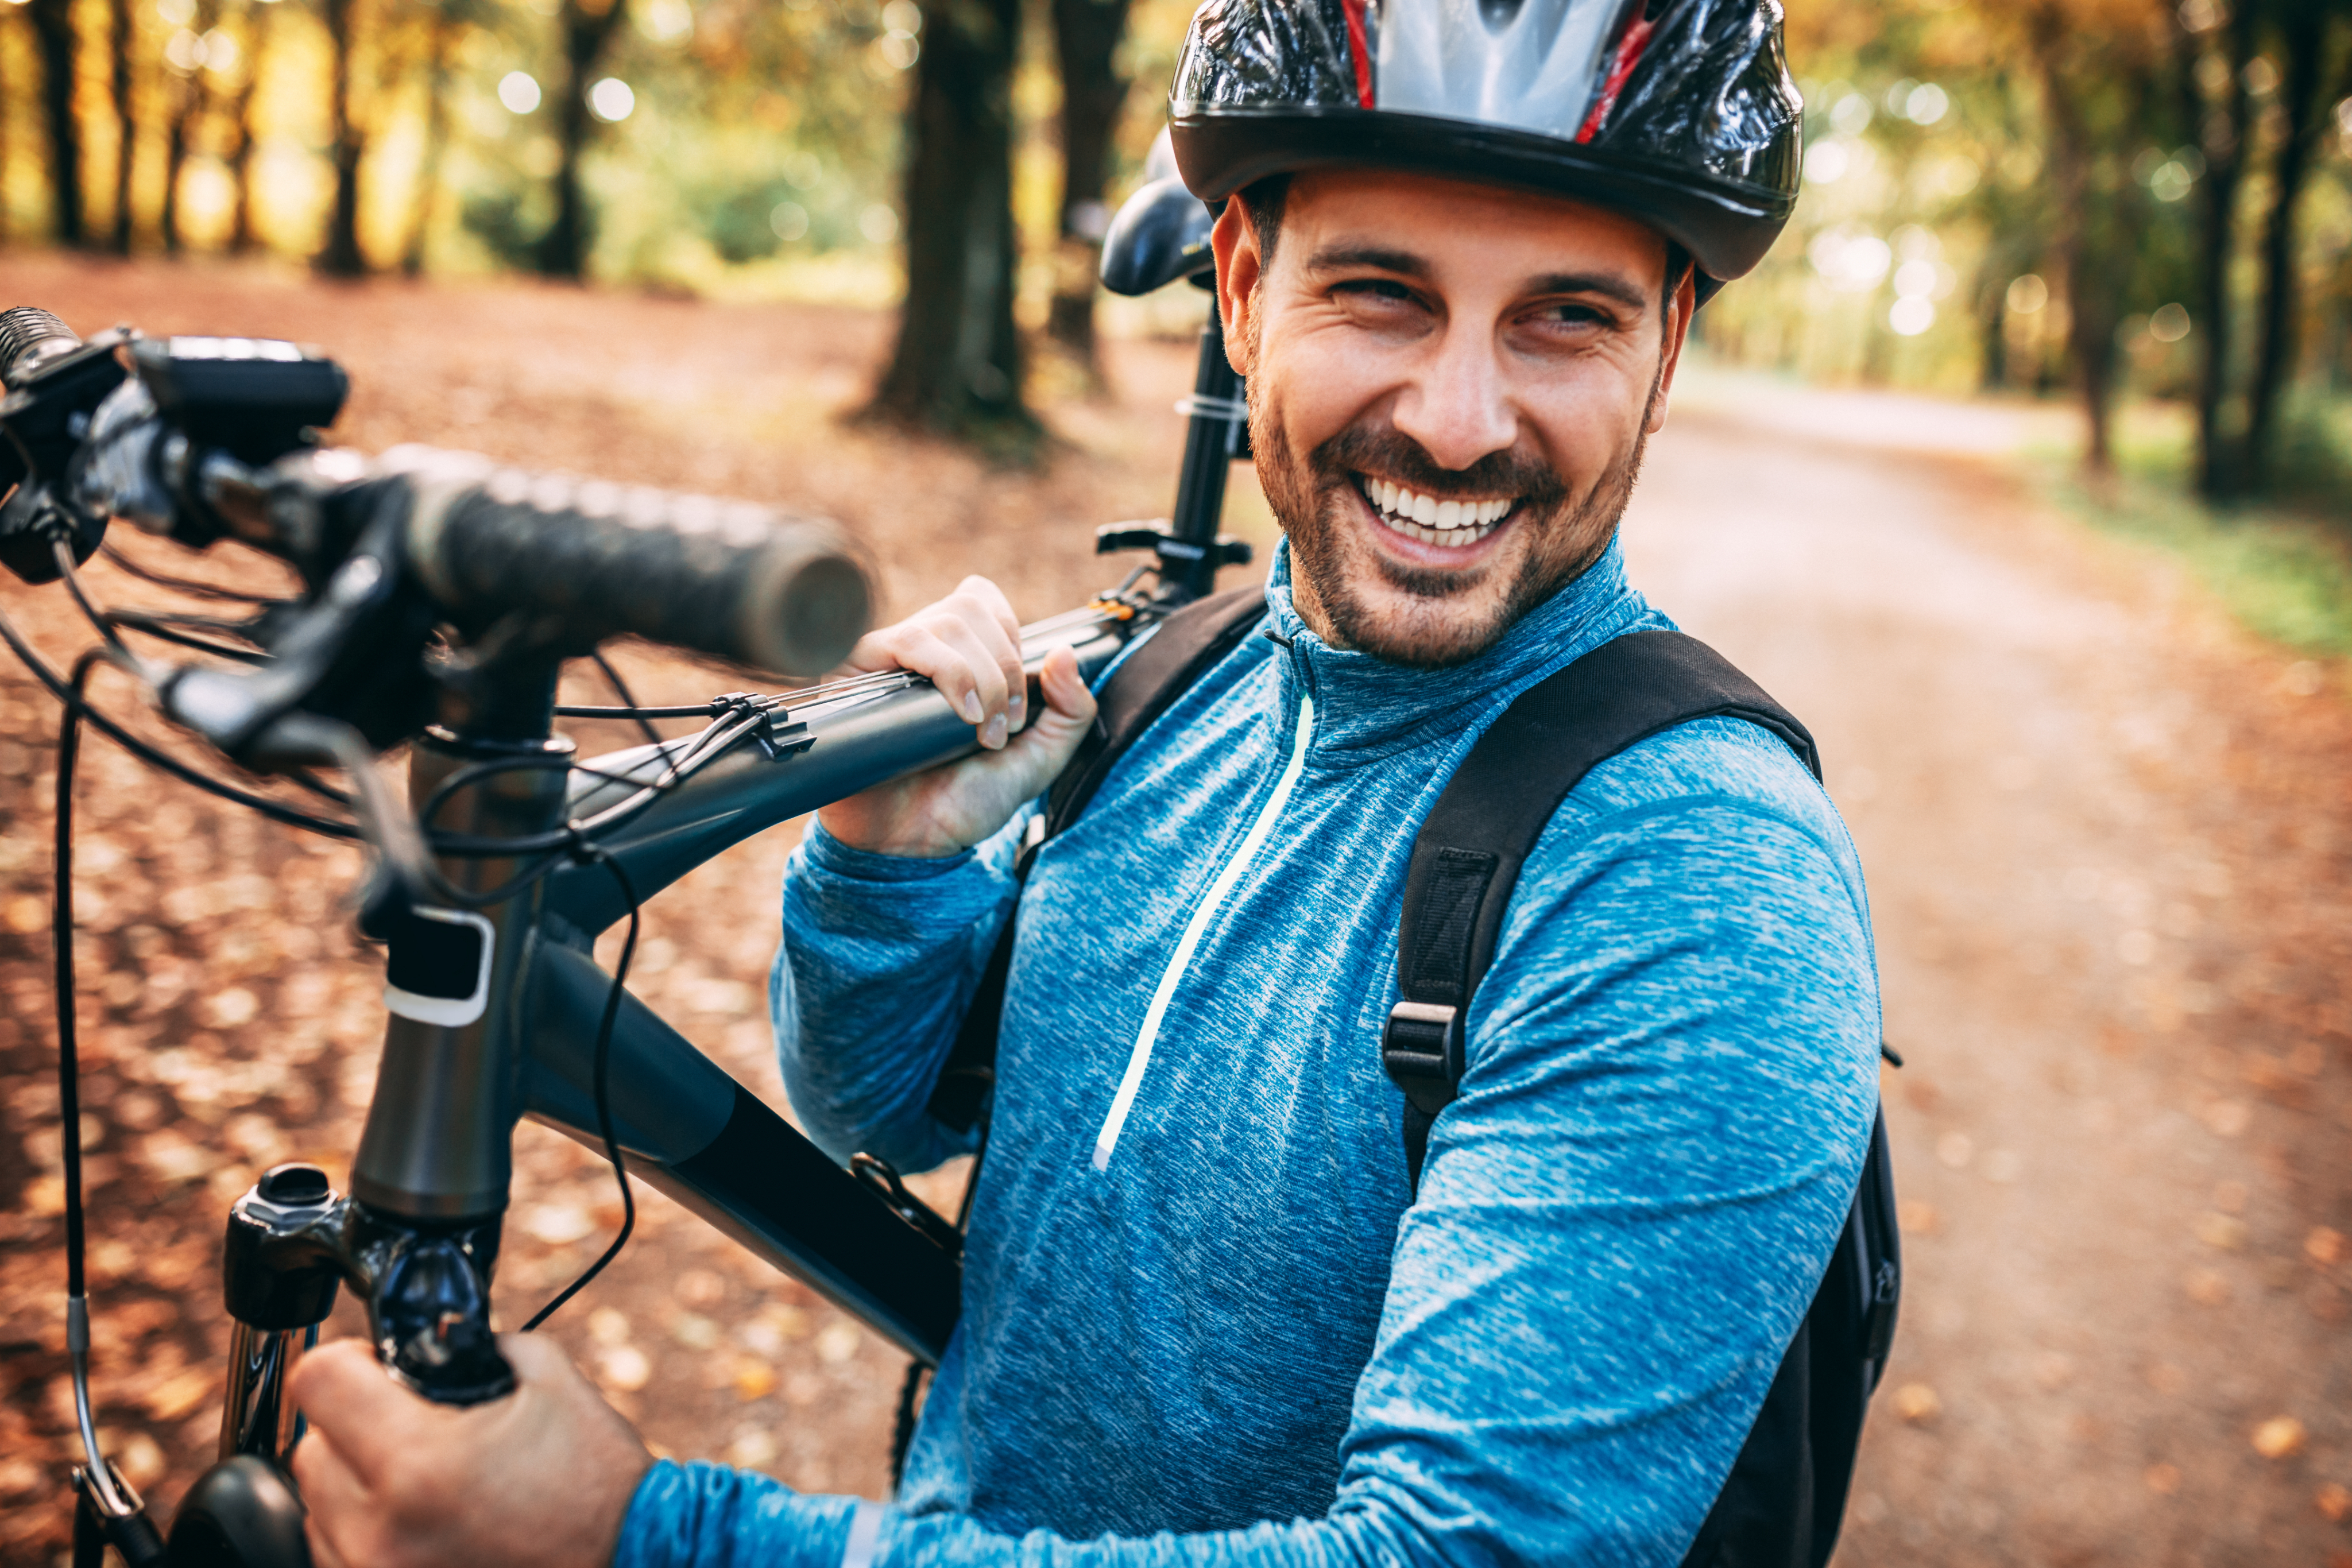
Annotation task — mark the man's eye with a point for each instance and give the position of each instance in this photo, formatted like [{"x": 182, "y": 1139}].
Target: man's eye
[
  {"x": 1567, "y": 315},
  {"x": 1383, "y": 290}
]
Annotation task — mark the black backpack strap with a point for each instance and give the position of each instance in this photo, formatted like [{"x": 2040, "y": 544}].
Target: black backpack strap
[
  {"x": 1783, "y": 1500},
  {"x": 1466, "y": 859},
  {"x": 1146, "y": 684}
]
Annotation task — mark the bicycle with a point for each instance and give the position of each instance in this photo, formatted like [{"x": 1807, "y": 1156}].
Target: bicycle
[{"x": 441, "y": 596}]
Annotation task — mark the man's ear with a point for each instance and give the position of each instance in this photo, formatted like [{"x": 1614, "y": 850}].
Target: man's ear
[
  {"x": 1684, "y": 300},
  {"x": 1239, "y": 266}
]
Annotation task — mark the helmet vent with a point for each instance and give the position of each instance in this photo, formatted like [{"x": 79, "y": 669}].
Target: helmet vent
[{"x": 1498, "y": 14}]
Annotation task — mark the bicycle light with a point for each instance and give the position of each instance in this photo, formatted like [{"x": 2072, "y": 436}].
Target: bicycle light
[{"x": 257, "y": 398}]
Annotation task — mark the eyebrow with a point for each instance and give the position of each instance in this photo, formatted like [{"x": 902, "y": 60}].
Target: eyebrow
[{"x": 1405, "y": 264}]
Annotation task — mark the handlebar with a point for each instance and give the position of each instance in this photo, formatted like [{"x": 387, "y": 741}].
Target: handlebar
[
  {"x": 727, "y": 577},
  {"x": 207, "y": 437}
]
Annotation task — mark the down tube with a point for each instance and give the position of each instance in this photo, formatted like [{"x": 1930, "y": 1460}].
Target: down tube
[{"x": 694, "y": 1132}]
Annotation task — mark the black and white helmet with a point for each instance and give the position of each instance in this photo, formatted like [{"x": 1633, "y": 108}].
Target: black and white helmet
[{"x": 1679, "y": 113}]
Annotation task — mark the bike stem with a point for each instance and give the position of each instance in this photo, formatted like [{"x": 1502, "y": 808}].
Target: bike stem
[{"x": 417, "y": 1238}]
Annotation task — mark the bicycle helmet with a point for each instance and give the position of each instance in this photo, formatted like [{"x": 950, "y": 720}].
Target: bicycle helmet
[{"x": 1679, "y": 113}]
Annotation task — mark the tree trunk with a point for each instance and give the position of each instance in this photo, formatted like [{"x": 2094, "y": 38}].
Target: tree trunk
[
  {"x": 443, "y": 38},
  {"x": 2222, "y": 138},
  {"x": 53, "y": 31},
  {"x": 175, "y": 158},
  {"x": 1992, "y": 325},
  {"x": 126, "y": 130},
  {"x": 240, "y": 157},
  {"x": 1087, "y": 34},
  {"x": 2303, "y": 42},
  {"x": 341, "y": 255},
  {"x": 2089, "y": 304},
  {"x": 956, "y": 369},
  {"x": 189, "y": 103},
  {"x": 6, "y": 97},
  {"x": 588, "y": 27}
]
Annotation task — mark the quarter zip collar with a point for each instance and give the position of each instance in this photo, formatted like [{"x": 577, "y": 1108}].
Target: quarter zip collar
[{"x": 1366, "y": 709}]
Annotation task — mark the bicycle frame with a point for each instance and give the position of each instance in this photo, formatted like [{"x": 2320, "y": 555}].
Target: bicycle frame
[
  {"x": 419, "y": 1234},
  {"x": 498, "y": 1011}
]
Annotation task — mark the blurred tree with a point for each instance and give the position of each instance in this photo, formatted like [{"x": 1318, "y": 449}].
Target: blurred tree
[
  {"x": 7, "y": 141},
  {"x": 2303, "y": 39},
  {"x": 2211, "y": 76},
  {"x": 443, "y": 28},
  {"x": 1087, "y": 34},
  {"x": 2099, "y": 87},
  {"x": 123, "y": 38},
  {"x": 341, "y": 256},
  {"x": 190, "y": 98},
  {"x": 586, "y": 27},
  {"x": 956, "y": 368},
  {"x": 259, "y": 15},
  {"x": 53, "y": 29}
]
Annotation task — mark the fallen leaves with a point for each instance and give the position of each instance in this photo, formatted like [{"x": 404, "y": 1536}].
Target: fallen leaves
[
  {"x": 557, "y": 1224},
  {"x": 2279, "y": 1437},
  {"x": 1917, "y": 1404},
  {"x": 2334, "y": 1503},
  {"x": 171, "y": 1158},
  {"x": 1918, "y": 1218},
  {"x": 624, "y": 1367},
  {"x": 753, "y": 1448},
  {"x": 753, "y": 1379},
  {"x": 2222, "y": 1230},
  {"x": 2206, "y": 1287},
  {"x": 2227, "y": 1118},
  {"x": 182, "y": 1393},
  {"x": 2324, "y": 1246},
  {"x": 2162, "y": 1479}
]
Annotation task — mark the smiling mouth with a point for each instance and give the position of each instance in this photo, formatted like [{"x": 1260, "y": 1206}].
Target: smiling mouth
[{"x": 1446, "y": 523}]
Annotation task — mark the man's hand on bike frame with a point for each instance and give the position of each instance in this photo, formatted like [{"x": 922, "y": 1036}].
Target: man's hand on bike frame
[
  {"x": 968, "y": 645},
  {"x": 541, "y": 1478}
]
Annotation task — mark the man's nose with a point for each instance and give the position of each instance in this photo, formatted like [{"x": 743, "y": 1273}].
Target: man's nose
[{"x": 1458, "y": 407}]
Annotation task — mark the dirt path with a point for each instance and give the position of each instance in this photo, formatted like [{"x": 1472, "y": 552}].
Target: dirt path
[
  {"x": 2108, "y": 848},
  {"x": 2108, "y": 855}
]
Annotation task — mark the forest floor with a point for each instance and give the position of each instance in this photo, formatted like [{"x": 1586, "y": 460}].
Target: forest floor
[{"x": 2109, "y": 840}]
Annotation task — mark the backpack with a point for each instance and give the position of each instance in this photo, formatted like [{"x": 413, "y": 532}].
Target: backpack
[{"x": 1785, "y": 1497}]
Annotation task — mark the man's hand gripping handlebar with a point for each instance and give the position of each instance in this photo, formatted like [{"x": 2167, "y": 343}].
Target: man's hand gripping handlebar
[{"x": 968, "y": 645}]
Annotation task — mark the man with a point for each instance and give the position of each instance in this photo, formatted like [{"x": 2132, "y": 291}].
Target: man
[{"x": 1206, "y": 1319}]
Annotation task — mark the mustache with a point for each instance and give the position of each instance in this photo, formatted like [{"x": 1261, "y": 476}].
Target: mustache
[{"x": 1387, "y": 451}]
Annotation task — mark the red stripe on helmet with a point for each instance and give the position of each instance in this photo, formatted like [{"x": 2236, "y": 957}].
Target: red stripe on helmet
[
  {"x": 1629, "y": 55},
  {"x": 1359, "y": 45}
]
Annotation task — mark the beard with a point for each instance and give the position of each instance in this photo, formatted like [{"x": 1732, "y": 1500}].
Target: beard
[{"x": 1431, "y": 617}]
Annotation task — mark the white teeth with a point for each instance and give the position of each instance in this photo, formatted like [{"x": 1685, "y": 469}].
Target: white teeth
[
  {"x": 1431, "y": 520},
  {"x": 1454, "y": 524}
]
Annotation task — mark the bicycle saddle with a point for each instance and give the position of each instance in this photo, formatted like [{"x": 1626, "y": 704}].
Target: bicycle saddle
[{"x": 1161, "y": 234}]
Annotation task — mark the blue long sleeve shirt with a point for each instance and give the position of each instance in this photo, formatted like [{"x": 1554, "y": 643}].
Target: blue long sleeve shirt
[{"x": 1203, "y": 1323}]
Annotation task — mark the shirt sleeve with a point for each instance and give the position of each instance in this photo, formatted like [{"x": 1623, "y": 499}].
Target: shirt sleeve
[
  {"x": 880, "y": 956},
  {"x": 1623, "y": 1218}
]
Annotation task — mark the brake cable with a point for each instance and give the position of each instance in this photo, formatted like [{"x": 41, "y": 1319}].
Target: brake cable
[
  {"x": 100, "y": 1477},
  {"x": 600, "y": 1079}
]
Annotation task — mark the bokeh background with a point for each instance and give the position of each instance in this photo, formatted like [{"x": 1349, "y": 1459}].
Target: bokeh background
[{"x": 2019, "y": 469}]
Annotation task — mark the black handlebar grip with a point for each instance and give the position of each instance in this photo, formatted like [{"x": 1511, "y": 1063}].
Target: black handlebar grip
[
  {"x": 27, "y": 337},
  {"x": 742, "y": 581}
]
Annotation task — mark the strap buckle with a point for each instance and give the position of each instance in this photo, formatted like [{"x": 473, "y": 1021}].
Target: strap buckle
[{"x": 1421, "y": 1049}]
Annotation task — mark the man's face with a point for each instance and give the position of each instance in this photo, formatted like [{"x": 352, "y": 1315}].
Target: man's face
[{"x": 1450, "y": 385}]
